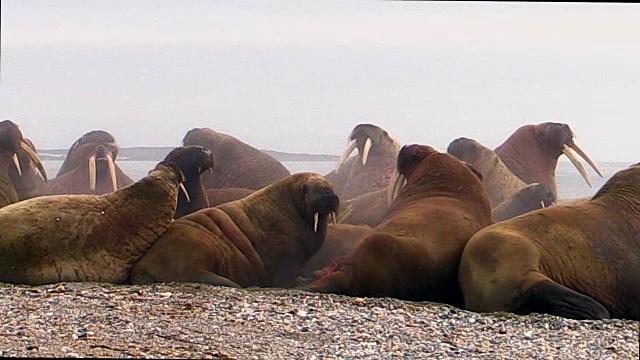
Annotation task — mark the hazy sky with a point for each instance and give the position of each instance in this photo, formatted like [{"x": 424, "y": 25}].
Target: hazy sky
[{"x": 297, "y": 76}]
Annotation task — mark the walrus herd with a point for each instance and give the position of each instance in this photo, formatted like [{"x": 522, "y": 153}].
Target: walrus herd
[{"x": 476, "y": 228}]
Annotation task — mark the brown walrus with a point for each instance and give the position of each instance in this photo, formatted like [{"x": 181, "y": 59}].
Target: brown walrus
[
  {"x": 371, "y": 169},
  {"x": 577, "y": 261},
  {"x": 532, "y": 153},
  {"x": 224, "y": 195},
  {"x": 89, "y": 167},
  {"x": 11, "y": 143},
  {"x": 238, "y": 165},
  {"x": 415, "y": 251},
  {"x": 263, "y": 239},
  {"x": 31, "y": 176},
  {"x": 366, "y": 209},
  {"x": 499, "y": 182},
  {"x": 193, "y": 161},
  {"x": 530, "y": 198},
  {"x": 95, "y": 238}
]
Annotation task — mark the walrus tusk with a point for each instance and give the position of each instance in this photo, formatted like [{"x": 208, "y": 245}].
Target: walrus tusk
[
  {"x": 184, "y": 190},
  {"x": 112, "y": 172},
  {"x": 315, "y": 222},
  {"x": 365, "y": 151},
  {"x": 34, "y": 158},
  {"x": 16, "y": 162},
  {"x": 542, "y": 204},
  {"x": 571, "y": 154},
  {"x": 350, "y": 147},
  {"x": 586, "y": 157},
  {"x": 92, "y": 172},
  {"x": 396, "y": 183},
  {"x": 333, "y": 217}
]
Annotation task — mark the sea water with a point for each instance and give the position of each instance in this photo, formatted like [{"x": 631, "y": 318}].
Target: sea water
[{"x": 570, "y": 183}]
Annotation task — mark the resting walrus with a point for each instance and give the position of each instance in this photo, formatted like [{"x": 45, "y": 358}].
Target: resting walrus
[
  {"x": 579, "y": 261},
  {"x": 15, "y": 154},
  {"x": 97, "y": 238},
  {"x": 263, "y": 239},
  {"x": 415, "y": 251}
]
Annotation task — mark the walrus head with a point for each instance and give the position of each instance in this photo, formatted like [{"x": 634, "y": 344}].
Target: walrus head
[
  {"x": 170, "y": 172},
  {"x": 559, "y": 139},
  {"x": 318, "y": 200},
  {"x": 368, "y": 138},
  {"x": 193, "y": 159},
  {"x": 12, "y": 143},
  {"x": 432, "y": 169},
  {"x": 98, "y": 150}
]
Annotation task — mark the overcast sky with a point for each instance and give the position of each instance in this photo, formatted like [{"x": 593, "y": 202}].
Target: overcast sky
[{"x": 297, "y": 76}]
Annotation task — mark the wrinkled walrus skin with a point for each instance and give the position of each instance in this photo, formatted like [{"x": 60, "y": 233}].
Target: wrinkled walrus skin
[
  {"x": 415, "y": 251},
  {"x": 577, "y": 261},
  {"x": 262, "y": 240},
  {"x": 94, "y": 238},
  {"x": 238, "y": 164}
]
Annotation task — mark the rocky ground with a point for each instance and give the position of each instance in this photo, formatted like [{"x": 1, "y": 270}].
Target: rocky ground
[{"x": 199, "y": 321}]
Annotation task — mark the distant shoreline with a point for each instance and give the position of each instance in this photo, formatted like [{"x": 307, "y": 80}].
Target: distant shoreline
[{"x": 148, "y": 153}]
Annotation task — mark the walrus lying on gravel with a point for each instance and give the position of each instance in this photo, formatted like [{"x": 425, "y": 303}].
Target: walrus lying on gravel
[
  {"x": 193, "y": 161},
  {"x": 263, "y": 239},
  {"x": 12, "y": 143},
  {"x": 89, "y": 167},
  {"x": 415, "y": 251},
  {"x": 578, "y": 261},
  {"x": 371, "y": 169},
  {"x": 94, "y": 238}
]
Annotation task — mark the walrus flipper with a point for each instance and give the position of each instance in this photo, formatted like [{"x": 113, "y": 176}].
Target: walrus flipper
[
  {"x": 207, "y": 277},
  {"x": 552, "y": 298}
]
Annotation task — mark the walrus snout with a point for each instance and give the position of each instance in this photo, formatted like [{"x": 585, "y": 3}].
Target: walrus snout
[
  {"x": 322, "y": 202},
  {"x": 464, "y": 149}
]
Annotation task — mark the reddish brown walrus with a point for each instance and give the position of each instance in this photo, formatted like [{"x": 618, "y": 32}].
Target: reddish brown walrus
[
  {"x": 263, "y": 239},
  {"x": 578, "y": 261},
  {"x": 95, "y": 238},
  {"x": 532, "y": 153},
  {"x": 415, "y": 251}
]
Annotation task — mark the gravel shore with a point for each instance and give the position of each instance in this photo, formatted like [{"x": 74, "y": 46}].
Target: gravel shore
[{"x": 200, "y": 321}]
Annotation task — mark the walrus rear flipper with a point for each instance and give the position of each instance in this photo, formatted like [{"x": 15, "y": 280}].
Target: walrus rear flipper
[
  {"x": 552, "y": 298},
  {"x": 207, "y": 277}
]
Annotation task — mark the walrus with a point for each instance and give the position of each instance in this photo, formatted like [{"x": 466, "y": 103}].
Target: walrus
[
  {"x": 89, "y": 167},
  {"x": 532, "y": 153},
  {"x": 499, "y": 182},
  {"x": 31, "y": 176},
  {"x": 414, "y": 253},
  {"x": 193, "y": 161},
  {"x": 238, "y": 165},
  {"x": 11, "y": 143},
  {"x": 261, "y": 240},
  {"x": 371, "y": 169},
  {"x": 531, "y": 197},
  {"x": 96, "y": 238},
  {"x": 576, "y": 261}
]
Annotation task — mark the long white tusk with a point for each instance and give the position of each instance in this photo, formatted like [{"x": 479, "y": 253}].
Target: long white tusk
[
  {"x": 315, "y": 222},
  {"x": 396, "y": 184},
  {"x": 345, "y": 154},
  {"x": 576, "y": 162},
  {"x": 542, "y": 203},
  {"x": 92, "y": 172},
  {"x": 365, "y": 150},
  {"x": 112, "y": 172},
  {"x": 333, "y": 217},
  {"x": 586, "y": 157},
  {"x": 184, "y": 190},
  {"x": 34, "y": 158},
  {"x": 16, "y": 162}
]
